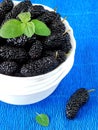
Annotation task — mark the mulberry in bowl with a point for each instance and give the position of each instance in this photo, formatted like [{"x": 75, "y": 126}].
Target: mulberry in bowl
[{"x": 32, "y": 67}]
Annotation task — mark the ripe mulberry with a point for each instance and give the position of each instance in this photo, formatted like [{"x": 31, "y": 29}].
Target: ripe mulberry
[
  {"x": 48, "y": 17},
  {"x": 67, "y": 44},
  {"x": 54, "y": 42},
  {"x": 36, "y": 50},
  {"x": 5, "y": 7},
  {"x": 59, "y": 55},
  {"x": 21, "y": 41},
  {"x": 39, "y": 67},
  {"x": 21, "y": 7},
  {"x": 78, "y": 99},
  {"x": 49, "y": 64},
  {"x": 8, "y": 67},
  {"x": 13, "y": 53},
  {"x": 36, "y": 10},
  {"x": 57, "y": 26}
]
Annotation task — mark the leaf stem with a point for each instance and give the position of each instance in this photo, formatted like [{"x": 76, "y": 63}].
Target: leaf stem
[{"x": 37, "y": 113}]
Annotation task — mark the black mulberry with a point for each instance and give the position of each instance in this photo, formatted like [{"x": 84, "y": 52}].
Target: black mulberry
[
  {"x": 54, "y": 42},
  {"x": 78, "y": 99},
  {"x": 67, "y": 44},
  {"x": 59, "y": 55},
  {"x": 8, "y": 67},
  {"x": 5, "y": 7},
  {"x": 21, "y": 41},
  {"x": 49, "y": 16},
  {"x": 39, "y": 67},
  {"x": 21, "y": 7},
  {"x": 57, "y": 26},
  {"x": 13, "y": 53},
  {"x": 49, "y": 64},
  {"x": 36, "y": 10},
  {"x": 36, "y": 50}
]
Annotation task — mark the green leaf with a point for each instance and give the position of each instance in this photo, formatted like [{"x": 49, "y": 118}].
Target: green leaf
[
  {"x": 41, "y": 28},
  {"x": 25, "y": 17},
  {"x": 42, "y": 119},
  {"x": 11, "y": 29},
  {"x": 29, "y": 29}
]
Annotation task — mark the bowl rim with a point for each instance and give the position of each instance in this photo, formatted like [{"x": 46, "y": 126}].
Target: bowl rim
[{"x": 72, "y": 51}]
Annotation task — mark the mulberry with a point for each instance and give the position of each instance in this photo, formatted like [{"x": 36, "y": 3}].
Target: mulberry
[
  {"x": 54, "y": 42},
  {"x": 39, "y": 67},
  {"x": 21, "y": 41},
  {"x": 49, "y": 64},
  {"x": 8, "y": 67},
  {"x": 48, "y": 17},
  {"x": 5, "y": 7},
  {"x": 36, "y": 11},
  {"x": 78, "y": 99},
  {"x": 57, "y": 27},
  {"x": 13, "y": 53},
  {"x": 59, "y": 55},
  {"x": 36, "y": 50},
  {"x": 67, "y": 44},
  {"x": 21, "y": 7}
]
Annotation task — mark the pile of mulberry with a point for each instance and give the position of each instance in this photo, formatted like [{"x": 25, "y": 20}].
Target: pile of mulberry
[{"x": 31, "y": 56}]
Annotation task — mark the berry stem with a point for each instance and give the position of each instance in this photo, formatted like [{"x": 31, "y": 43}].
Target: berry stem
[
  {"x": 66, "y": 31},
  {"x": 91, "y": 90},
  {"x": 64, "y": 19},
  {"x": 55, "y": 9},
  {"x": 56, "y": 54}
]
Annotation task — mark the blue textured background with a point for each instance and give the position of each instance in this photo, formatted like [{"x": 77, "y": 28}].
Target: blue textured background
[{"x": 83, "y": 17}]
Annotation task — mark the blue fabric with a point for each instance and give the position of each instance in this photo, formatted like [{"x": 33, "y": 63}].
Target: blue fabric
[{"x": 83, "y": 17}]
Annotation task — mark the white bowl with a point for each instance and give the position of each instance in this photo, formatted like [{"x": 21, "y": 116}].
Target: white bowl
[{"x": 29, "y": 90}]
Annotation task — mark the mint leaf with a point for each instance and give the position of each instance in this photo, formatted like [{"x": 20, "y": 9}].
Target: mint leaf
[
  {"x": 25, "y": 17},
  {"x": 41, "y": 28},
  {"x": 29, "y": 29},
  {"x": 42, "y": 119},
  {"x": 14, "y": 28},
  {"x": 11, "y": 29}
]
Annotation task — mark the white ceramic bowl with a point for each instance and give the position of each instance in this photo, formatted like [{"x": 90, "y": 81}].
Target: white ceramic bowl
[{"x": 29, "y": 90}]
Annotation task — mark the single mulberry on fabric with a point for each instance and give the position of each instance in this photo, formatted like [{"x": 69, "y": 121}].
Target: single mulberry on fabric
[{"x": 78, "y": 99}]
